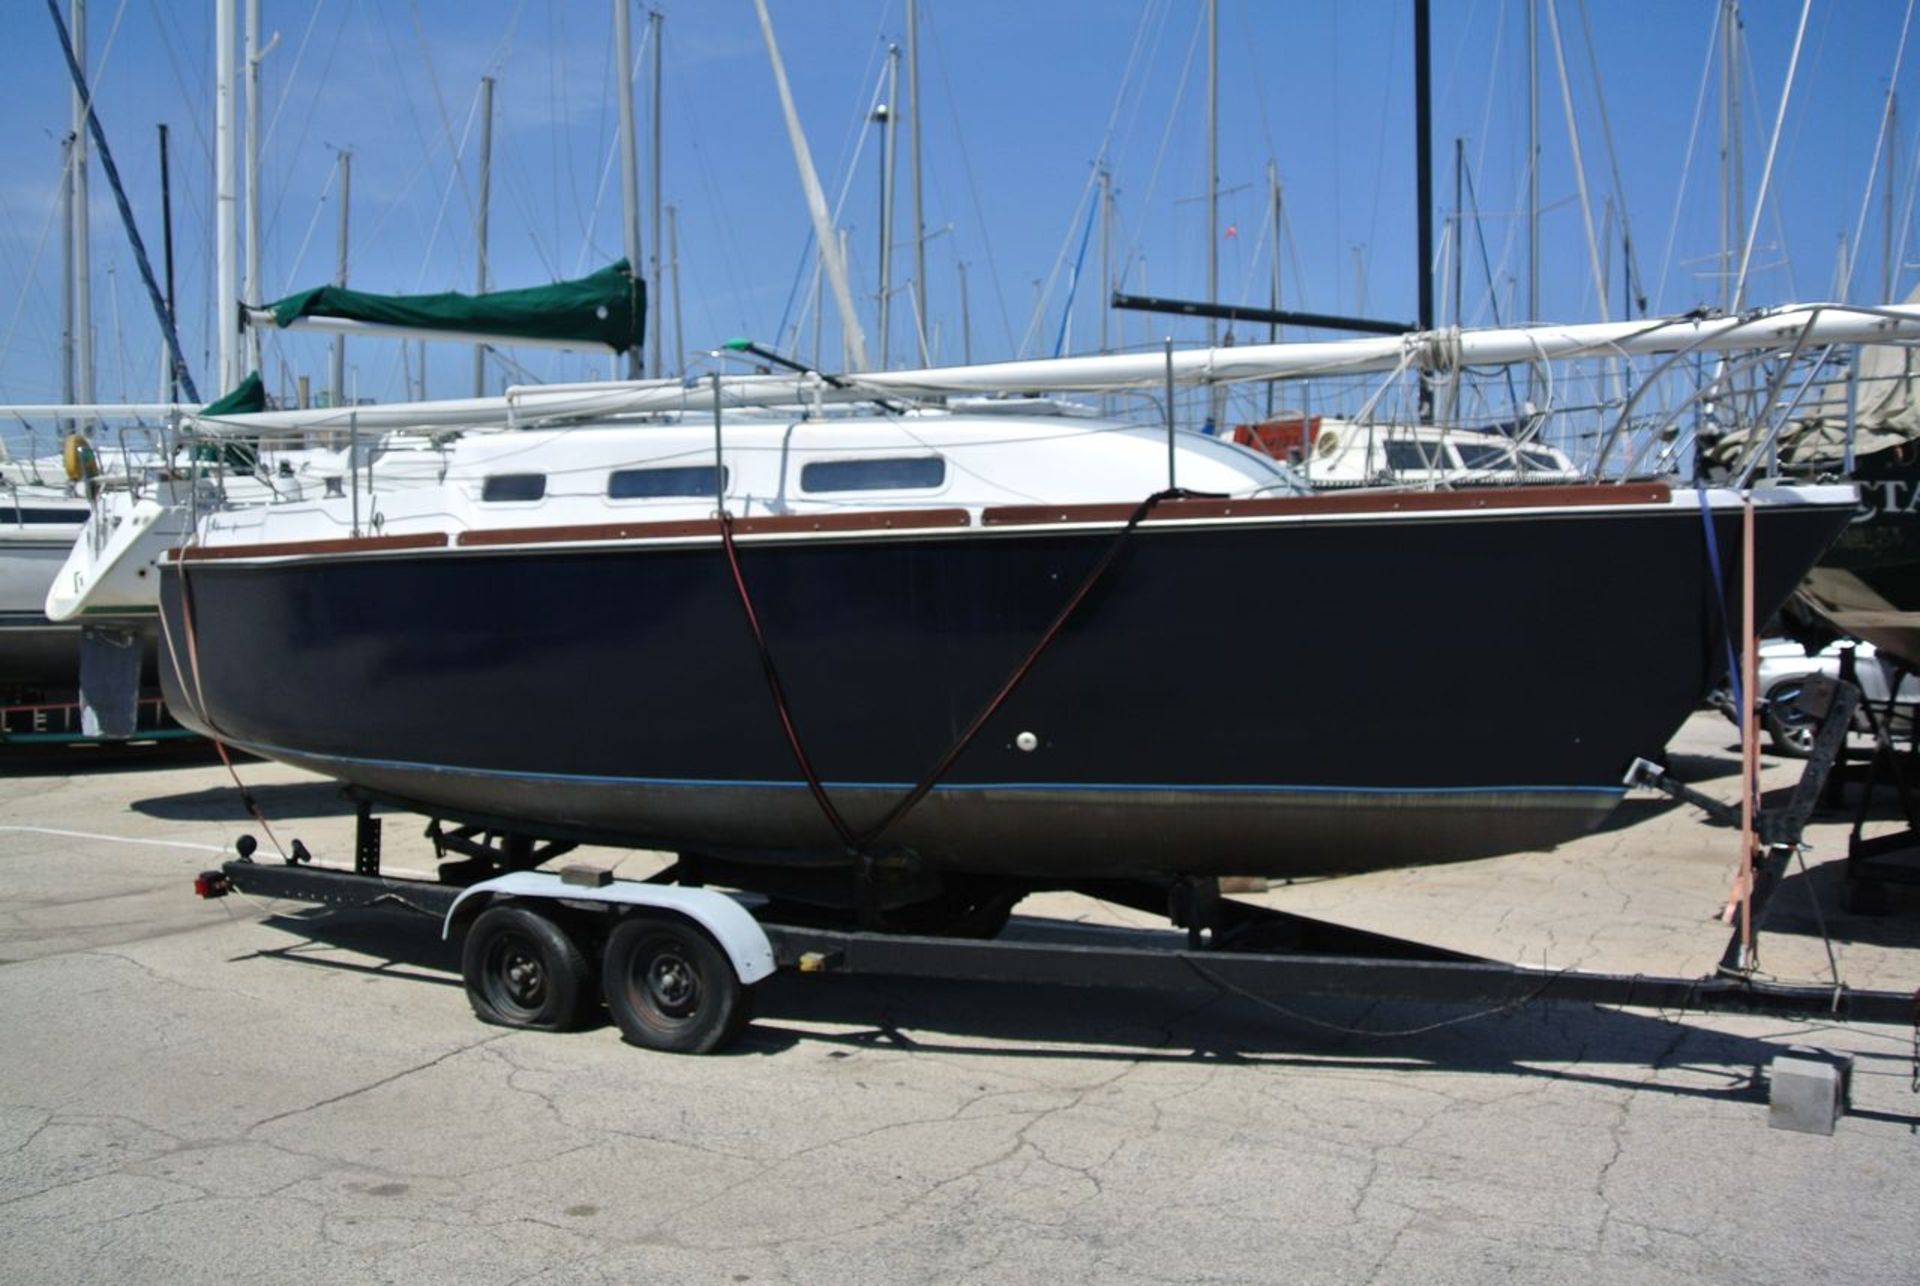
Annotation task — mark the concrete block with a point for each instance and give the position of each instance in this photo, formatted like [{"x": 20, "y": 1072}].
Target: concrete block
[{"x": 1807, "y": 1091}]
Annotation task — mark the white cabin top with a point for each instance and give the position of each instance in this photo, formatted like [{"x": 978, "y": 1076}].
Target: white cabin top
[{"x": 618, "y": 472}]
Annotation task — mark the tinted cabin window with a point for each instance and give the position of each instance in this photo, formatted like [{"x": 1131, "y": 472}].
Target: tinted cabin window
[
  {"x": 514, "y": 486},
  {"x": 895, "y": 473},
  {"x": 1485, "y": 457},
  {"x": 652, "y": 484},
  {"x": 1415, "y": 455}
]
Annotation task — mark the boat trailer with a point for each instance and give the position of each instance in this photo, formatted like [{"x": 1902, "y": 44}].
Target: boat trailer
[{"x": 675, "y": 960}]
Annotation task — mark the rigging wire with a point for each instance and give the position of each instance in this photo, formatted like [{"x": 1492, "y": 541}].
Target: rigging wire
[
  {"x": 1873, "y": 168},
  {"x": 1773, "y": 144},
  {"x": 1686, "y": 166}
]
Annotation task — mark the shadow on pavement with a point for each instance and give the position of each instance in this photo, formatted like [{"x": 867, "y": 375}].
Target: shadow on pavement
[{"x": 223, "y": 804}]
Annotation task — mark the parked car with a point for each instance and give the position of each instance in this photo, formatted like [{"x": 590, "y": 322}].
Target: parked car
[{"x": 1784, "y": 666}]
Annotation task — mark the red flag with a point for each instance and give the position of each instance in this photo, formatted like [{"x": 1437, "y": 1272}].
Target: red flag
[{"x": 1233, "y": 229}]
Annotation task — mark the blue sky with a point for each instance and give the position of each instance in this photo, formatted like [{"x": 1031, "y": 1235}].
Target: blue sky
[{"x": 1020, "y": 101}]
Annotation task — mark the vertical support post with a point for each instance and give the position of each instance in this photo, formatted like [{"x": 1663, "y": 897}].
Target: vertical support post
[
  {"x": 366, "y": 840},
  {"x": 719, "y": 457},
  {"x": 353, "y": 464},
  {"x": 480, "y": 221},
  {"x": 1170, "y": 445},
  {"x": 1749, "y": 734}
]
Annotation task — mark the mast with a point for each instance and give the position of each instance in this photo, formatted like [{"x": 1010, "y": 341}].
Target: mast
[
  {"x": 1423, "y": 182},
  {"x": 1216, "y": 396},
  {"x": 66, "y": 278},
  {"x": 654, "y": 20},
  {"x": 480, "y": 221},
  {"x": 883, "y": 115},
  {"x": 337, "y": 384},
  {"x": 226, "y": 289},
  {"x": 166, "y": 251},
  {"x": 1886, "y": 244},
  {"x": 673, "y": 258},
  {"x": 629, "y": 162},
  {"x": 919, "y": 218},
  {"x": 1533, "y": 167},
  {"x": 832, "y": 257},
  {"x": 1273, "y": 277},
  {"x": 966, "y": 321},
  {"x": 1106, "y": 253},
  {"x": 250, "y": 286},
  {"x": 82, "y": 230}
]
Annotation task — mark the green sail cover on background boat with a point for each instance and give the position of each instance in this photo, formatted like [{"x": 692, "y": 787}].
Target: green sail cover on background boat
[
  {"x": 607, "y": 308},
  {"x": 247, "y": 397}
]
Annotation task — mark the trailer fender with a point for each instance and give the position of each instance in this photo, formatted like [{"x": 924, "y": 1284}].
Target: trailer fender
[{"x": 731, "y": 925}]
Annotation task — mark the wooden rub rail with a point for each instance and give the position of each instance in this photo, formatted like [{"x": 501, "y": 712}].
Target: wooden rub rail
[
  {"x": 866, "y": 520},
  {"x": 297, "y": 548},
  {"x": 1542, "y": 497}
]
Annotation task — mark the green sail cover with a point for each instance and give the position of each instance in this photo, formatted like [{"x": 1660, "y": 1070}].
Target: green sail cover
[
  {"x": 607, "y": 308},
  {"x": 248, "y": 396}
]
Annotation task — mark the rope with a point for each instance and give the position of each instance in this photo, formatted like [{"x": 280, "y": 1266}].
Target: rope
[
  {"x": 772, "y": 674},
  {"x": 1517, "y": 1002},
  {"x": 1720, "y": 602},
  {"x": 197, "y": 694},
  {"x": 862, "y": 843}
]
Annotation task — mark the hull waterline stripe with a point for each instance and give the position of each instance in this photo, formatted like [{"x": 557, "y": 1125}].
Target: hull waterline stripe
[{"x": 279, "y": 752}]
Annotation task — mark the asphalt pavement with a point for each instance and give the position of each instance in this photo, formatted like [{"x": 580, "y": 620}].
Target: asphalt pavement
[{"x": 235, "y": 1090}]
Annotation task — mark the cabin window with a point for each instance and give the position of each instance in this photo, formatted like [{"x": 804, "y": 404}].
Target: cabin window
[
  {"x": 1541, "y": 462},
  {"x": 514, "y": 486},
  {"x": 1485, "y": 457},
  {"x": 1416, "y": 455},
  {"x": 888, "y": 473},
  {"x": 654, "y": 484}
]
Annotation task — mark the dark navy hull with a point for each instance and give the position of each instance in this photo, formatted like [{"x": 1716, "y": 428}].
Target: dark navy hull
[{"x": 1279, "y": 697}]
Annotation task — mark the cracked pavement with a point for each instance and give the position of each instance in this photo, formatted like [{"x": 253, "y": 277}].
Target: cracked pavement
[{"x": 233, "y": 1090}]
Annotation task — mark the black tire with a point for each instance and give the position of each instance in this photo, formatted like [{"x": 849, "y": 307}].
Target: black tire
[
  {"x": 523, "y": 970},
  {"x": 670, "y": 987},
  {"x": 1790, "y": 728}
]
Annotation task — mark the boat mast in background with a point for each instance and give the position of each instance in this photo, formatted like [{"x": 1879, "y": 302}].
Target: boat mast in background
[
  {"x": 629, "y": 163},
  {"x": 654, "y": 20},
  {"x": 832, "y": 258},
  {"x": 82, "y": 227},
  {"x": 337, "y": 385},
  {"x": 919, "y": 218},
  {"x": 480, "y": 222},
  {"x": 226, "y": 290}
]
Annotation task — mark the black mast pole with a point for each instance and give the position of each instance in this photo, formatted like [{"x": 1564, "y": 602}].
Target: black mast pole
[{"x": 166, "y": 254}]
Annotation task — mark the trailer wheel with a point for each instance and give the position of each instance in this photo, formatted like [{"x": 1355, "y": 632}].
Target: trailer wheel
[
  {"x": 669, "y": 987},
  {"x": 522, "y": 970}
]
